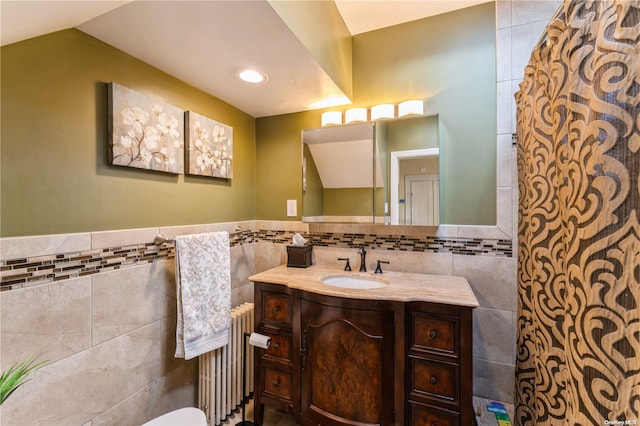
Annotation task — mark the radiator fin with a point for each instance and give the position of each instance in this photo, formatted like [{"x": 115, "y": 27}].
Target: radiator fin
[{"x": 220, "y": 371}]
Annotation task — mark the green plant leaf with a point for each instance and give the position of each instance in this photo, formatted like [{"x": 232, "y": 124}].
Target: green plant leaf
[{"x": 16, "y": 375}]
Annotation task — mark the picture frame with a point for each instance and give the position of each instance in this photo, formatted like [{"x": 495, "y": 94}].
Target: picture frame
[
  {"x": 209, "y": 150},
  {"x": 144, "y": 132}
]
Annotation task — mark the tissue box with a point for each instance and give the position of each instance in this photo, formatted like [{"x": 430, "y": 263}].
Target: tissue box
[{"x": 299, "y": 257}]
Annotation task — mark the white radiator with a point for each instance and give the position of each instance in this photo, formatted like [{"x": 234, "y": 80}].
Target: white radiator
[{"x": 220, "y": 377}]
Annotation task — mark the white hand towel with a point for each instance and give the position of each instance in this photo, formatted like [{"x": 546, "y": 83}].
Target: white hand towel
[{"x": 203, "y": 283}]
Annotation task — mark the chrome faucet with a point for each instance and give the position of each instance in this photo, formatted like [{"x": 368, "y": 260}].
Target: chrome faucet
[{"x": 363, "y": 259}]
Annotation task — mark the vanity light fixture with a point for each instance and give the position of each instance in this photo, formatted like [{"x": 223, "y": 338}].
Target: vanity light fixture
[
  {"x": 331, "y": 118},
  {"x": 252, "y": 76},
  {"x": 355, "y": 114},
  {"x": 413, "y": 107},
  {"x": 378, "y": 112},
  {"x": 382, "y": 111}
]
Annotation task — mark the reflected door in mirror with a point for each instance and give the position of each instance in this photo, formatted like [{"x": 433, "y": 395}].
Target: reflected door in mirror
[{"x": 422, "y": 200}]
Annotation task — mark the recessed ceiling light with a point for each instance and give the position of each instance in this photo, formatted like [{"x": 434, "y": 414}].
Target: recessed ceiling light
[{"x": 252, "y": 76}]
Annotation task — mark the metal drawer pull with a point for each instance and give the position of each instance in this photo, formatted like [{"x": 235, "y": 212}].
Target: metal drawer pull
[
  {"x": 433, "y": 334},
  {"x": 433, "y": 380},
  {"x": 276, "y": 384},
  {"x": 276, "y": 309},
  {"x": 276, "y": 346}
]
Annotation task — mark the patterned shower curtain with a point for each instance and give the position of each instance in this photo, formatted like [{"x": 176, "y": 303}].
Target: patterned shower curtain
[{"x": 578, "y": 360}]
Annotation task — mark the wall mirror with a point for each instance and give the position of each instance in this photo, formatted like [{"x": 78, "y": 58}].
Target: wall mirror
[
  {"x": 338, "y": 173},
  {"x": 410, "y": 156},
  {"x": 383, "y": 172}
]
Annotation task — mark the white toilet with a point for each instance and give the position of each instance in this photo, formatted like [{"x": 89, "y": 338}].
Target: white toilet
[{"x": 188, "y": 416}]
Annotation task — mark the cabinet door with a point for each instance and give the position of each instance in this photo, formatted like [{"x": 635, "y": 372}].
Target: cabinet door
[
  {"x": 423, "y": 415},
  {"x": 347, "y": 365}
]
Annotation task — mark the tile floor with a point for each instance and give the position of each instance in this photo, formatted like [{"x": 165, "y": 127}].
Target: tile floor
[{"x": 276, "y": 418}]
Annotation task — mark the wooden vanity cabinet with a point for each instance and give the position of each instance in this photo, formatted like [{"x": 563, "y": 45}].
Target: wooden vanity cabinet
[
  {"x": 439, "y": 364},
  {"x": 347, "y": 361},
  {"x": 339, "y": 361},
  {"x": 274, "y": 378}
]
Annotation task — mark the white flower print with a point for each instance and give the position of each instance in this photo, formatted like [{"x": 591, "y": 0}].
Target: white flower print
[
  {"x": 210, "y": 147},
  {"x": 148, "y": 134}
]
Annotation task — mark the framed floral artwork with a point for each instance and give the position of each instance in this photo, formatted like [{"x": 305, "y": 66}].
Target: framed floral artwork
[
  {"x": 145, "y": 133},
  {"x": 209, "y": 147}
]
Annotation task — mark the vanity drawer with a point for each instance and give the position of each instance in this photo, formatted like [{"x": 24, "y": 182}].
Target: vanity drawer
[
  {"x": 277, "y": 383},
  {"x": 422, "y": 415},
  {"x": 435, "y": 333},
  {"x": 280, "y": 347},
  {"x": 434, "y": 380},
  {"x": 277, "y": 308}
]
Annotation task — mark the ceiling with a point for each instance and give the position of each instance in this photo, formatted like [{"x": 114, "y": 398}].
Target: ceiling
[{"x": 206, "y": 43}]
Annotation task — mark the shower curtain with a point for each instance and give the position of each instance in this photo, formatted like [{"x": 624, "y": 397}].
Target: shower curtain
[{"x": 578, "y": 113}]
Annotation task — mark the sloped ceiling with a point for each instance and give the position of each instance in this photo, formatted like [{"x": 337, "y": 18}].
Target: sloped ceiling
[
  {"x": 205, "y": 43},
  {"x": 343, "y": 155},
  {"x": 208, "y": 43}
]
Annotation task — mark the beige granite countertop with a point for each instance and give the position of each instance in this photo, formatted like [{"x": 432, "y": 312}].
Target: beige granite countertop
[{"x": 400, "y": 286}]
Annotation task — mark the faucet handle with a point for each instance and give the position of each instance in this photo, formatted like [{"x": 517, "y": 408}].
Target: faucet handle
[
  {"x": 378, "y": 268},
  {"x": 347, "y": 267}
]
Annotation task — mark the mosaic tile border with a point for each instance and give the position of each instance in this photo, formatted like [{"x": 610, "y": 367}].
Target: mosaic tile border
[
  {"x": 464, "y": 246},
  {"x": 30, "y": 271}
]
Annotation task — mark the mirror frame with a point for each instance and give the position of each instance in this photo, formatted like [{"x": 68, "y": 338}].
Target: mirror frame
[
  {"x": 390, "y": 188},
  {"x": 506, "y": 214}
]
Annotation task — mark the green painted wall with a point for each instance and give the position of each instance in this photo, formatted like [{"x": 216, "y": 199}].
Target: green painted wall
[
  {"x": 319, "y": 26},
  {"x": 413, "y": 133},
  {"x": 312, "y": 196},
  {"x": 54, "y": 172},
  {"x": 449, "y": 60},
  {"x": 348, "y": 202},
  {"x": 279, "y": 169}
]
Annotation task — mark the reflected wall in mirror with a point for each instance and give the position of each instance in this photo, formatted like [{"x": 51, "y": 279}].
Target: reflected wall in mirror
[
  {"x": 348, "y": 178},
  {"x": 338, "y": 173},
  {"x": 410, "y": 152}
]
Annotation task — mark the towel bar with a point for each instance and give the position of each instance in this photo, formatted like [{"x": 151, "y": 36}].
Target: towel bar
[{"x": 161, "y": 239}]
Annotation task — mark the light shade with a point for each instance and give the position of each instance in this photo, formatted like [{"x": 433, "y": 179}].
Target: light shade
[
  {"x": 382, "y": 111},
  {"x": 331, "y": 117},
  {"x": 410, "y": 108},
  {"x": 355, "y": 114}
]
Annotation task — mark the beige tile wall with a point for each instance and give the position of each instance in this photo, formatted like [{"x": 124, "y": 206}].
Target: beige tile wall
[
  {"x": 519, "y": 24},
  {"x": 108, "y": 339}
]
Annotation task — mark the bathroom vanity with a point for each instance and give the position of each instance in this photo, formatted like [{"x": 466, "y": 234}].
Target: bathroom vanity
[{"x": 394, "y": 350}]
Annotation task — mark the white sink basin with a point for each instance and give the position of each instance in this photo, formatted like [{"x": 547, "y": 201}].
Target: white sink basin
[{"x": 346, "y": 281}]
